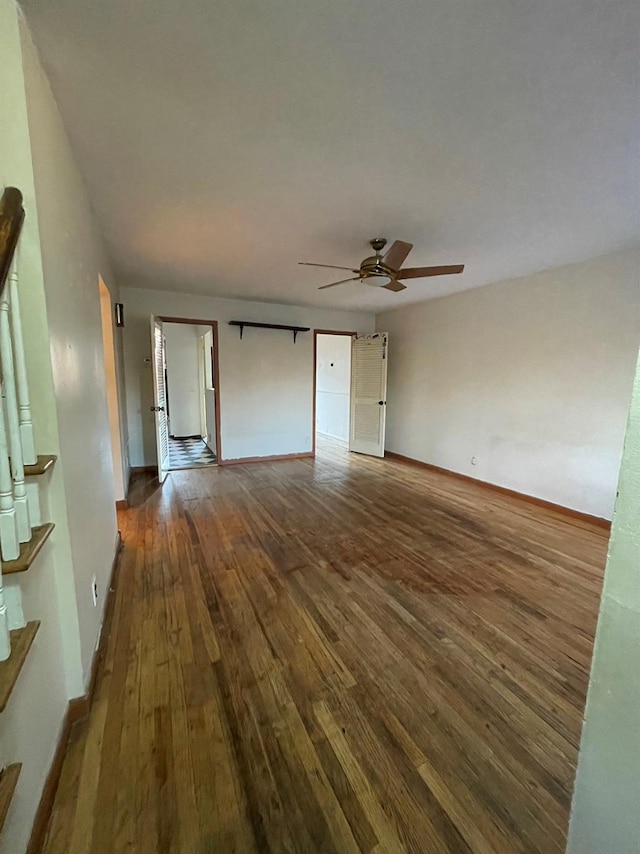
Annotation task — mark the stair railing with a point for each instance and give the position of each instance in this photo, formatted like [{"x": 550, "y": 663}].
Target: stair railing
[{"x": 17, "y": 447}]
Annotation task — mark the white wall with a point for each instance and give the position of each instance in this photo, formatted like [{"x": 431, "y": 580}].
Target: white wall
[
  {"x": 73, "y": 258},
  {"x": 207, "y": 339},
  {"x": 532, "y": 377},
  {"x": 210, "y": 416},
  {"x": 112, "y": 392},
  {"x": 30, "y": 724},
  {"x": 265, "y": 382},
  {"x": 333, "y": 383},
  {"x": 605, "y": 815},
  {"x": 183, "y": 378},
  {"x": 54, "y": 281}
]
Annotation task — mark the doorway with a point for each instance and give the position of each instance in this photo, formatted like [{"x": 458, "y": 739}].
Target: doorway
[
  {"x": 349, "y": 391},
  {"x": 189, "y": 367},
  {"x": 332, "y": 397},
  {"x": 111, "y": 386}
]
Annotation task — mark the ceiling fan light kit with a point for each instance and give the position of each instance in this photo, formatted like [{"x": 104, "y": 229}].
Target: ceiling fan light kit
[
  {"x": 385, "y": 271},
  {"x": 376, "y": 280}
]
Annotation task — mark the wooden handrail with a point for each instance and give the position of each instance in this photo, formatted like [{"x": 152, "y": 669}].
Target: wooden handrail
[{"x": 11, "y": 219}]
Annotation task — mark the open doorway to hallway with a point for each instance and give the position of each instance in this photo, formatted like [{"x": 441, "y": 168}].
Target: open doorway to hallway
[
  {"x": 332, "y": 389},
  {"x": 189, "y": 367}
]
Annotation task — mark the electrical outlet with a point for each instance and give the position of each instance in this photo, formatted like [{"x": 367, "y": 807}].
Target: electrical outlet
[
  {"x": 474, "y": 461},
  {"x": 94, "y": 591}
]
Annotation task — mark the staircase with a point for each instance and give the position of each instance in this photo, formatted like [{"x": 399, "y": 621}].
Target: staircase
[{"x": 23, "y": 476}]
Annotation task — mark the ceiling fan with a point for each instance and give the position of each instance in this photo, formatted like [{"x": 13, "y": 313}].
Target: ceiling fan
[{"x": 383, "y": 271}]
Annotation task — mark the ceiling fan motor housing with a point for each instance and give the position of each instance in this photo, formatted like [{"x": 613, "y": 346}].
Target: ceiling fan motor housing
[
  {"x": 373, "y": 270},
  {"x": 375, "y": 274}
]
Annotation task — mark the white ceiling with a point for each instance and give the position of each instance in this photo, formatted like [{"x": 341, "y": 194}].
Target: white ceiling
[{"x": 224, "y": 141}]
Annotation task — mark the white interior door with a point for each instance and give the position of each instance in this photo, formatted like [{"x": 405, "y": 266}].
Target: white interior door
[
  {"x": 159, "y": 407},
  {"x": 368, "y": 393}
]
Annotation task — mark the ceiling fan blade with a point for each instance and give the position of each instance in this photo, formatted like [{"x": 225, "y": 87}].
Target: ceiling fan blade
[
  {"x": 341, "y": 282},
  {"x": 419, "y": 272},
  {"x": 394, "y": 285},
  {"x": 328, "y": 266},
  {"x": 396, "y": 256}
]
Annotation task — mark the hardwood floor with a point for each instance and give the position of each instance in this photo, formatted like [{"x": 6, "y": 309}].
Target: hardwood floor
[{"x": 339, "y": 655}]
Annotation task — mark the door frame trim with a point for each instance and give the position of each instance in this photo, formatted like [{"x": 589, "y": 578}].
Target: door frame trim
[
  {"x": 216, "y": 369},
  {"x": 160, "y": 406},
  {"x": 317, "y": 332}
]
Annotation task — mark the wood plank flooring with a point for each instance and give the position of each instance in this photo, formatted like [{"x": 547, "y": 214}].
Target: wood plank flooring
[{"x": 335, "y": 655}]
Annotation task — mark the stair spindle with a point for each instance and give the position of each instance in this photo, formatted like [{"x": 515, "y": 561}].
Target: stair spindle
[
  {"x": 9, "y": 544},
  {"x": 29, "y": 456},
  {"x": 5, "y": 642},
  {"x": 21, "y": 505}
]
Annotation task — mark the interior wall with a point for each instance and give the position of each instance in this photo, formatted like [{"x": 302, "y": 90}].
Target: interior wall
[
  {"x": 61, "y": 363},
  {"x": 605, "y": 815},
  {"x": 266, "y": 381},
  {"x": 210, "y": 416},
  {"x": 73, "y": 258},
  {"x": 333, "y": 385},
  {"x": 183, "y": 378},
  {"x": 30, "y": 724},
  {"x": 111, "y": 382},
  {"x": 525, "y": 384},
  {"x": 113, "y": 293},
  {"x": 207, "y": 338},
  {"x": 209, "y": 436}
]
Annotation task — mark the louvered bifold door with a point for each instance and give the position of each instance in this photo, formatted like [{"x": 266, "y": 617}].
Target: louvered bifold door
[
  {"x": 368, "y": 393},
  {"x": 159, "y": 407}
]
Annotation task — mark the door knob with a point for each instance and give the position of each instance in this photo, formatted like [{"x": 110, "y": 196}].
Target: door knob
[{"x": 156, "y": 409}]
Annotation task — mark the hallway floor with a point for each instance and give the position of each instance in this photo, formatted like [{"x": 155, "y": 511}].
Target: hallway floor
[
  {"x": 340, "y": 655},
  {"x": 189, "y": 453}
]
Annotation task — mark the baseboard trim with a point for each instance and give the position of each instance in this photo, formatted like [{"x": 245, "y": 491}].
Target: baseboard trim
[
  {"x": 123, "y": 503},
  {"x": 77, "y": 709},
  {"x": 503, "y": 490},
  {"x": 75, "y": 712},
  {"x": 142, "y": 469},
  {"x": 105, "y": 629},
  {"x": 271, "y": 459}
]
